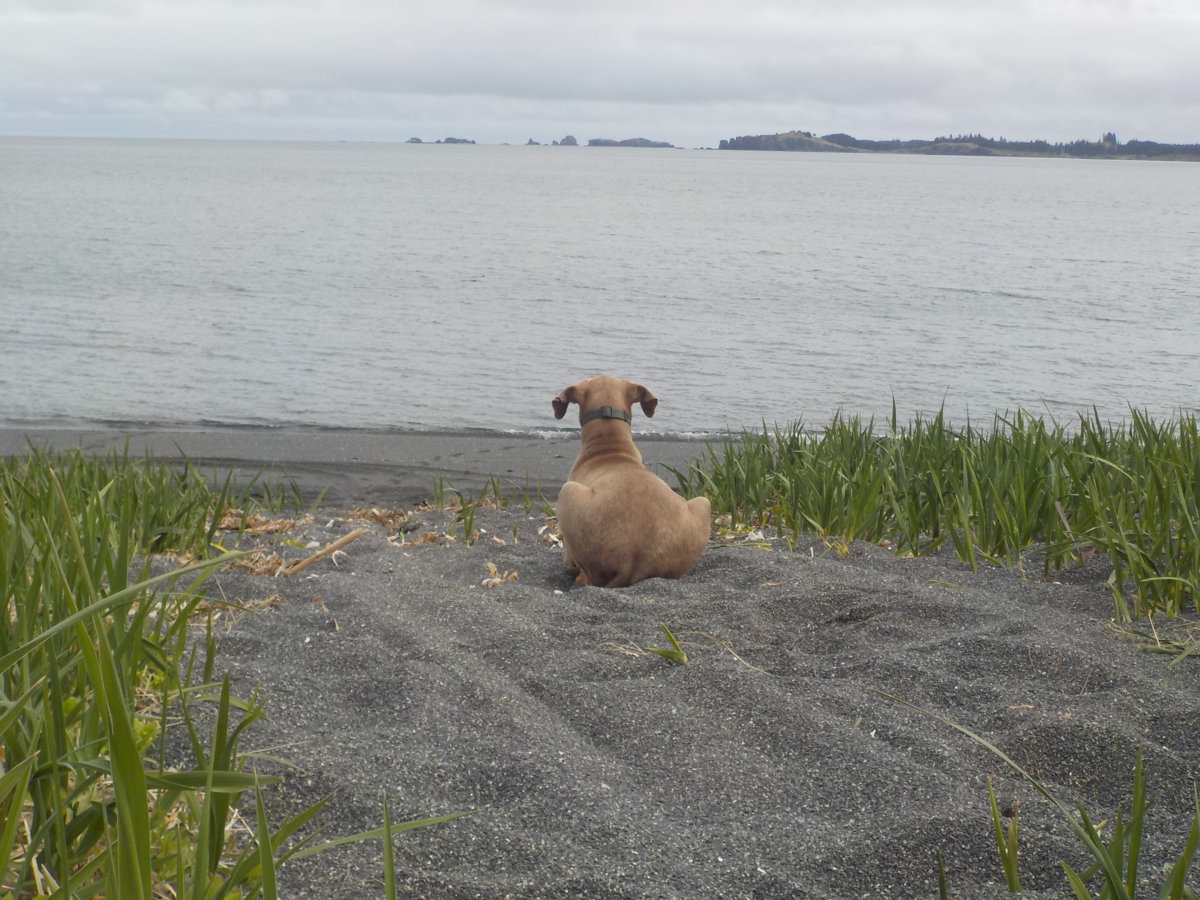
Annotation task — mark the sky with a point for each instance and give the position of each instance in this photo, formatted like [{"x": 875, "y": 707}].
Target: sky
[{"x": 689, "y": 72}]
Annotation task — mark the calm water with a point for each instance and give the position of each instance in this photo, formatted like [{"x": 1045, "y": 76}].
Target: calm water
[{"x": 404, "y": 286}]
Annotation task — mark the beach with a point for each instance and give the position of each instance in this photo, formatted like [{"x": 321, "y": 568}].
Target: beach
[
  {"x": 344, "y": 467},
  {"x": 455, "y": 672}
]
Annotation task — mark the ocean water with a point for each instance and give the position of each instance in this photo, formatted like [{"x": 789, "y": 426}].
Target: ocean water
[{"x": 341, "y": 285}]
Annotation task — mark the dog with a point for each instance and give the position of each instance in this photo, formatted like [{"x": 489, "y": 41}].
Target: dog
[{"x": 621, "y": 523}]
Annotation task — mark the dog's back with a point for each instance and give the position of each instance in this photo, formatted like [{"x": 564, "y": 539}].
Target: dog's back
[{"x": 621, "y": 523}]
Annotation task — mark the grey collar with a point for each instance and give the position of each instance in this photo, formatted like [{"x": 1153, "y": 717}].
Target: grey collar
[{"x": 606, "y": 412}]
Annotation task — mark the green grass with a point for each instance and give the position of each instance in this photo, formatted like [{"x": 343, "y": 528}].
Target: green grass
[
  {"x": 492, "y": 495},
  {"x": 1115, "y": 862},
  {"x": 674, "y": 653},
  {"x": 1023, "y": 491},
  {"x": 94, "y": 651},
  {"x": 1007, "y": 840}
]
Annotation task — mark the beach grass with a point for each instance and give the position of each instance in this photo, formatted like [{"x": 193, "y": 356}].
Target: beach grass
[
  {"x": 1025, "y": 492},
  {"x": 99, "y": 648},
  {"x": 95, "y": 649},
  {"x": 1115, "y": 862}
]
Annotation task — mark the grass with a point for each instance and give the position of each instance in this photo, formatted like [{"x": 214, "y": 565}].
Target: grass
[
  {"x": 1021, "y": 491},
  {"x": 491, "y": 496},
  {"x": 674, "y": 653},
  {"x": 1007, "y": 840},
  {"x": 95, "y": 650},
  {"x": 1115, "y": 861}
]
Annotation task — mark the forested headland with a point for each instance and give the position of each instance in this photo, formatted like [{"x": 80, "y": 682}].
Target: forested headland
[{"x": 1108, "y": 147}]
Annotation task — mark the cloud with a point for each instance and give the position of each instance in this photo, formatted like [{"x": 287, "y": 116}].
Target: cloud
[{"x": 1057, "y": 69}]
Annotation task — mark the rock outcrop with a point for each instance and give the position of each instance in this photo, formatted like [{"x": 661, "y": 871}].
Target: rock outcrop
[{"x": 631, "y": 142}]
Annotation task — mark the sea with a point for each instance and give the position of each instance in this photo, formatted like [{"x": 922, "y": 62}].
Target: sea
[{"x": 212, "y": 284}]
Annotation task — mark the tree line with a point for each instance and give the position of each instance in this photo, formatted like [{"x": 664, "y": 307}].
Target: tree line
[{"x": 1107, "y": 147}]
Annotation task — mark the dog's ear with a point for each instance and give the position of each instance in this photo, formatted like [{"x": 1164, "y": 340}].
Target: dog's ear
[
  {"x": 561, "y": 402},
  {"x": 638, "y": 394}
]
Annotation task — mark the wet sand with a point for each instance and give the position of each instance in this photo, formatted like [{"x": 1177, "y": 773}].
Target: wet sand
[{"x": 357, "y": 467}]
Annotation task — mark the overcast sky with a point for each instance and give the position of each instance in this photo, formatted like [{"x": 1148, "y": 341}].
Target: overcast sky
[{"x": 690, "y": 72}]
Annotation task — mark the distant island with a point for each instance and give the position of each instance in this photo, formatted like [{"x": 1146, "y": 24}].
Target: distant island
[
  {"x": 449, "y": 140},
  {"x": 1108, "y": 147},
  {"x": 631, "y": 142},
  {"x": 568, "y": 141}
]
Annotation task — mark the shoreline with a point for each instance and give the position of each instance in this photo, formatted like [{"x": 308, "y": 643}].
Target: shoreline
[{"x": 356, "y": 467}]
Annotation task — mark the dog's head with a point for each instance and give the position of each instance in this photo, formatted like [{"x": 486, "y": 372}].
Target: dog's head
[{"x": 604, "y": 390}]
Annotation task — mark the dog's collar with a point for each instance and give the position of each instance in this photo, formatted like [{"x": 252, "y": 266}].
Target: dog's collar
[{"x": 606, "y": 412}]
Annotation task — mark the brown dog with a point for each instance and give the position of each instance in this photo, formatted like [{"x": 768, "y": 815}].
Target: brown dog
[{"x": 620, "y": 522}]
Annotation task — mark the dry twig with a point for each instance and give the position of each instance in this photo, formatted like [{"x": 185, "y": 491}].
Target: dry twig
[{"x": 322, "y": 553}]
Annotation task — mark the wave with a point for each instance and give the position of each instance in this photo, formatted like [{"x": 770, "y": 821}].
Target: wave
[{"x": 67, "y": 423}]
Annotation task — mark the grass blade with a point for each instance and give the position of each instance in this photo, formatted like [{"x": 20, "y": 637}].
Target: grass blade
[
  {"x": 377, "y": 833},
  {"x": 266, "y": 856},
  {"x": 674, "y": 653},
  {"x": 1176, "y": 886},
  {"x": 1081, "y": 826},
  {"x": 1006, "y": 843},
  {"x": 14, "y": 785}
]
